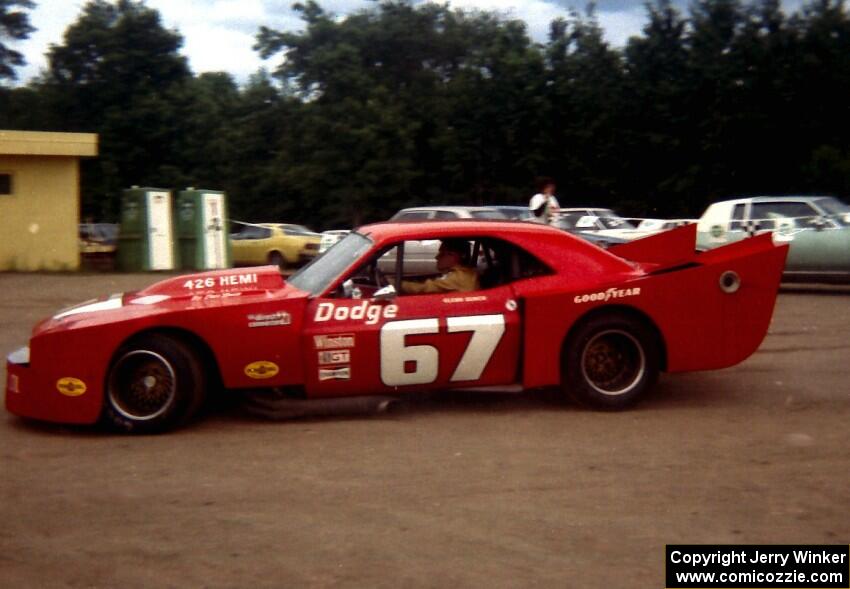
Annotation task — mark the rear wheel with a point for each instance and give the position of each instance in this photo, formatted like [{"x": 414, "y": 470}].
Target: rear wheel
[
  {"x": 610, "y": 361},
  {"x": 277, "y": 259},
  {"x": 155, "y": 383}
]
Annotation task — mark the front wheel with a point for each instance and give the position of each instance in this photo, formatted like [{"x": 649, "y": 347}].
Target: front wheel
[
  {"x": 155, "y": 383},
  {"x": 610, "y": 361}
]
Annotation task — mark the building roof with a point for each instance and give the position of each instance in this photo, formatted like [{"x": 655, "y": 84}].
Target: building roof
[{"x": 48, "y": 144}]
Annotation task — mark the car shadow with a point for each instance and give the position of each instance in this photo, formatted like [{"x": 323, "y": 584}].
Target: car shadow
[
  {"x": 24, "y": 424},
  {"x": 814, "y": 288},
  {"x": 672, "y": 393}
]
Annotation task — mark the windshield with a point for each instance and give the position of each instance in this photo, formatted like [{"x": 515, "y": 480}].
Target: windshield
[
  {"x": 317, "y": 276},
  {"x": 612, "y": 220},
  {"x": 837, "y": 210}
]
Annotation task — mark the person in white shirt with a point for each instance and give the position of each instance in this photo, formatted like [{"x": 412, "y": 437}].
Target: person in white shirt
[{"x": 543, "y": 205}]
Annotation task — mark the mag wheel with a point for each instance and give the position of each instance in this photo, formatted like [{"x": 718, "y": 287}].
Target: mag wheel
[
  {"x": 155, "y": 383},
  {"x": 610, "y": 361}
]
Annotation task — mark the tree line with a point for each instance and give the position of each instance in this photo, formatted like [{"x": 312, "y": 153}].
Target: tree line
[{"x": 407, "y": 104}]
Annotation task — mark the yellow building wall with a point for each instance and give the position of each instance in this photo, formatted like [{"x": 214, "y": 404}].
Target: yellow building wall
[{"x": 39, "y": 220}]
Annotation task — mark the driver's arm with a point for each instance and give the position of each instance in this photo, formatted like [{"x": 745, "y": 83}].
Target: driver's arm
[{"x": 456, "y": 280}]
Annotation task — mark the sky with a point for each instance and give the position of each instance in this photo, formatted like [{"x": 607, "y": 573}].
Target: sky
[{"x": 218, "y": 34}]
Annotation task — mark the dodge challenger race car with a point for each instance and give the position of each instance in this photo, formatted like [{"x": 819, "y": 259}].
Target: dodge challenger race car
[{"x": 551, "y": 310}]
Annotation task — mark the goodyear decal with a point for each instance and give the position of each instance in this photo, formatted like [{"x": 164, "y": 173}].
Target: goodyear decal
[
  {"x": 261, "y": 369},
  {"x": 605, "y": 295},
  {"x": 71, "y": 387}
]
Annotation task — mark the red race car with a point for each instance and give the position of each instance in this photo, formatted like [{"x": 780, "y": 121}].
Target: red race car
[{"x": 549, "y": 309}]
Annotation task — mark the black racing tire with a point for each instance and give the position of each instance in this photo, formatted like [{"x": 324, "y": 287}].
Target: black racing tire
[
  {"x": 277, "y": 259},
  {"x": 610, "y": 361},
  {"x": 155, "y": 383}
]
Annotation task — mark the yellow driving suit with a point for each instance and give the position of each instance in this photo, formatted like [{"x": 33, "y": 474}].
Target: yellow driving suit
[{"x": 458, "y": 279}]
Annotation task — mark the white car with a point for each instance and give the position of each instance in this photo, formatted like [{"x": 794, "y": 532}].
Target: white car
[
  {"x": 420, "y": 256},
  {"x": 602, "y": 222},
  {"x": 648, "y": 227},
  {"x": 446, "y": 213},
  {"x": 331, "y": 237}
]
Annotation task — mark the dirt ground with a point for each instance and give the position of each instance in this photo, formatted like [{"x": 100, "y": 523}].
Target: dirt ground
[{"x": 449, "y": 491}]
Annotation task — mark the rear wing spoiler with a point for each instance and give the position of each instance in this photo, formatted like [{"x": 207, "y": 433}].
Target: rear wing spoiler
[{"x": 676, "y": 248}]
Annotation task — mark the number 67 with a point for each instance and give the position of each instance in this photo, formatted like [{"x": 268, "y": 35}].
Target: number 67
[{"x": 487, "y": 331}]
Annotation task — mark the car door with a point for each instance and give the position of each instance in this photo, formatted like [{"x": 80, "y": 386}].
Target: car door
[
  {"x": 249, "y": 245},
  {"x": 411, "y": 342}
]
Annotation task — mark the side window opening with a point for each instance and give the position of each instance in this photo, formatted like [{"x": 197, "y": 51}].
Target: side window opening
[
  {"x": 445, "y": 215},
  {"x": 496, "y": 263},
  {"x": 785, "y": 214},
  {"x": 5, "y": 184},
  {"x": 500, "y": 263},
  {"x": 737, "y": 222}
]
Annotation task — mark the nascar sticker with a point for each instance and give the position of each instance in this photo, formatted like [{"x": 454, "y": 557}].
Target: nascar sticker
[
  {"x": 335, "y": 357},
  {"x": 269, "y": 319},
  {"x": 261, "y": 369},
  {"x": 71, "y": 387},
  {"x": 335, "y": 341},
  {"x": 341, "y": 373}
]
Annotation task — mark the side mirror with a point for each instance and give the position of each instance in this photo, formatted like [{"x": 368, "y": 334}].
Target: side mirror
[
  {"x": 348, "y": 288},
  {"x": 387, "y": 293}
]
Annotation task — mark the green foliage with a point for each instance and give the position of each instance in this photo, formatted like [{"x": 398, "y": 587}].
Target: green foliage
[
  {"x": 15, "y": 26},
  {"x": 409, "y": 103},
  {"x": 119, "y": 74}
]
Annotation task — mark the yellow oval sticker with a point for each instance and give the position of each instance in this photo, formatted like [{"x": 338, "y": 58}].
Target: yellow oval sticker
[
  {"x": 71, "y": 387},
  {"x": 261, "y": 369}
]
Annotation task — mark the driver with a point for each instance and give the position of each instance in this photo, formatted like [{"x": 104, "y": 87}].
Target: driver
[{"x": 453, "y": 262}]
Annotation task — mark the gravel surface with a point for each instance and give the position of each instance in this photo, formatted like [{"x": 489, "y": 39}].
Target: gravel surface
[{"x": 447, "y": 491}]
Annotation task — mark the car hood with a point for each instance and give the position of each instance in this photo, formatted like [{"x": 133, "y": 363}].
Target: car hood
[{"x": 181, "y": 293}]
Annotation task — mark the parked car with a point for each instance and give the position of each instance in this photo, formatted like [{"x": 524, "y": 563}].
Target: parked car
[
  {"x": 552, "y": 311},
  {"x": 585, "y": 223},
  {"x": 330, "y": 237},
  {"x": 446, "y": 213},
  {"x": 816, "y": 227},
  {"x": 515, "y": 212},
  {"x": 593, "y": 219},
  {"x": 420, "y": 254},
  {"x": 280, "y": 244},
  {"x": 98, "y": 239},
  {"x": 652, "y": 226}
]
